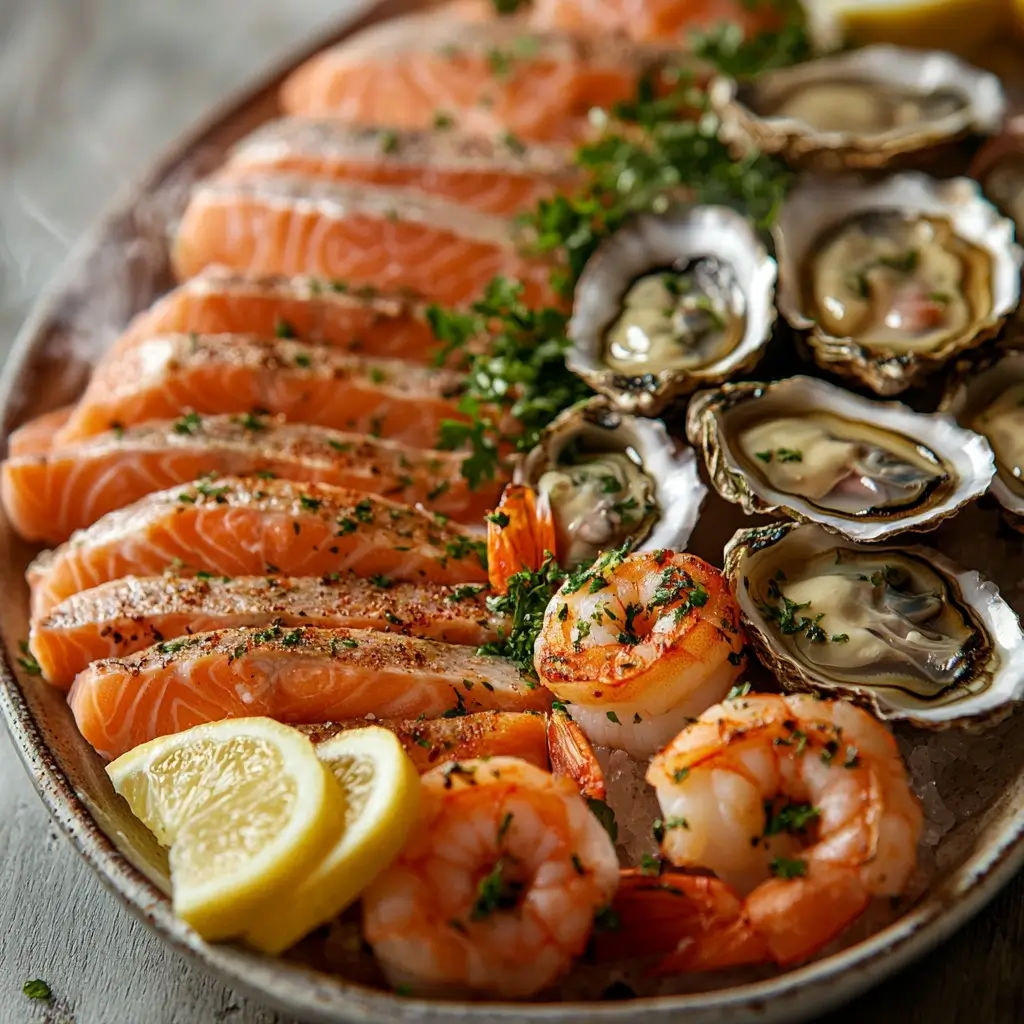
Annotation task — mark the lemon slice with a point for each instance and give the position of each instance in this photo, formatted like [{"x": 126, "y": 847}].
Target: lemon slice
[
  {"x": 382, "y": 790},
  {"x": 960, "y": 26},
  {"x": 246, "y": 807}
]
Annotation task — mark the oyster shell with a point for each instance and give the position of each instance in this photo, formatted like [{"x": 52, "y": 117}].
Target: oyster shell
[
  {"x": 999, "y": 167},
  {"x": 989, "y": 398},
  {"x": 612, "y": 478},
  {"x": 894, "y": 278},
  {"x": 816, "y": 453},
  {"x": 902, "y": 629},
  {"x": 670, "y": 303},
  {"x": 861, "y": 110}
]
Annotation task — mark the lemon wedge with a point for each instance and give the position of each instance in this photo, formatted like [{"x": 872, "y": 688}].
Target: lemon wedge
[
  {"x": 381, "y": 788},
  {"x": 960, "y": 26},
  {"x": 246, "y": 808}
]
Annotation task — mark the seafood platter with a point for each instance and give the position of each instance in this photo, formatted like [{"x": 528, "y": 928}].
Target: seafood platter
[{"x": 521, "y": 518}]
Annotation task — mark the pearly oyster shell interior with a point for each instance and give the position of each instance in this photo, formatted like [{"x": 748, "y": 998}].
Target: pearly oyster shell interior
[
  {"x": 989, "y": 398},
  {"x": 818, "y": 453},
  {"x": 892, "y": 279},
  {"x": 861, "y": 110},
  {"x": 900, "y": 628},
  {"x": 672, "y": 302},
  {"x": 613, "y": 478}
]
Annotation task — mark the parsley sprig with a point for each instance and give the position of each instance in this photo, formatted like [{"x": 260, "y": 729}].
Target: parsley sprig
[
  {"x": 529, "y": 593},
  {"x": 519, "y": 371}
]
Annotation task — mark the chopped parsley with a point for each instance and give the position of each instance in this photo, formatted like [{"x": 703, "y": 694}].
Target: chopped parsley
[
  {"x": 791, "y": 818},
  {"x": 27, "y": 661},
  {"x": 605, "y": 815},
  {"x": 36, "y": 988},
  {"x": 494, "y": 892},
  {"x": 284, "y": 329},
  {"x": 787, "y": 868},
  {"x": 189, "y": 424}
]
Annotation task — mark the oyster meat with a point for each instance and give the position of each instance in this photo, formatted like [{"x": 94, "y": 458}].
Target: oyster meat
[
  {"x": 817, "y": 453},
  {"x": 671, "y": 302},
  {"x": 902, "y": 629},
  {"x": 859, "y": 110},
  {"x": 892, "y": 279},
  {"x": 989, "y": 399},
  {"x": 613, "y": 479}
]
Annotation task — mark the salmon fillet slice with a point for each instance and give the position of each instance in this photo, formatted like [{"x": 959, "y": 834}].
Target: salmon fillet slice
[
  {"x": 37, "y": 435},
  {"x": 49, "y": 496},
  {"x": 234, "y": 527},
  {"x": 299, "y": 675},
  {"x": 364, "y": 234},
  {"x": 651, "y": 20},
  {"x": 361, "y": 321},
  {"x": 432, "y": 741},
  {"x": 127, "y": 615},
  {"x": 491, "y": 78},
  {"x": 502, "y": 177},
  {"x": 170, "y": 375}
]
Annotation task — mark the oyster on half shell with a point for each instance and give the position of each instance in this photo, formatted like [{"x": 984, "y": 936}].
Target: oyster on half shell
[
  {"x": 902, "y": 629},
  {"x": 670, "y": 303},
  {"x": 989, "y": 398},
  {"x": 612, "y": 478},
  {"x": 892, "y": 279},
  {"x": 861, "y": 110},
  {"x": 817, "y": 453}
]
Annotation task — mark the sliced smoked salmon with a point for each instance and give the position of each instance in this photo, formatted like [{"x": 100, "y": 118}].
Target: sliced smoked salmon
[
  {"x": 490, "y": 78},
  {"x": 127, "y": 615},
  {"x": 49, "y": 496},
  {"x": 234, "y": 527},
  {"x": 298, "y": 675},
  {"x": 651, "y": 20},
  {"x": 221, "y": 301},
  {"x": 503, "y": 177},
  {"x": 364, "y": 234},
  {"x": 432, "y": 741},
  {"x": 171, "y": 375}
]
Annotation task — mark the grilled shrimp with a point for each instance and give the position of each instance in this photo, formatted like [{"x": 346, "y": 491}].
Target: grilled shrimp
[
  {"x": 635, "y": 646},
  {"x": 497, "y": 890},
  {"x": 802, "y": 805}
]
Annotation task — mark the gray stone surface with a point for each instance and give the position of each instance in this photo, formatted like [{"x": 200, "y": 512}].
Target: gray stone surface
[{"x": 90, "y": 90}]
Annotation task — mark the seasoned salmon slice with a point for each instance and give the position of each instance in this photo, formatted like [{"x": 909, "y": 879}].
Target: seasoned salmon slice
[
  {"x": 171, "y": 375},
  {"x": 490, "y": 78},
  {"x": 503, "y": 177},
  {"x": 234, "y": 527},
  {"x": 651, "y": 20},
  {"x": 299, "y": 675},
  {"x": 127, "y": 615},
  {"x": 364, "y": 234},
  {"x": 49, "y": 496},
  {"x": 432, "y": 741},
  {"x": 221, "y": 301}
]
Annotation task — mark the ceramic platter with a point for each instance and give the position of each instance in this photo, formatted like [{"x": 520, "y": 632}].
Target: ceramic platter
[{"x": 119, "y": 269}]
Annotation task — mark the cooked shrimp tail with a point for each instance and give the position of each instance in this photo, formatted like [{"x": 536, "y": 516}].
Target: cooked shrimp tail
[
  {"x": 520, "y": 534},
  {"x": 572, "y": 755},
  {"x": 692, "y": 922}
]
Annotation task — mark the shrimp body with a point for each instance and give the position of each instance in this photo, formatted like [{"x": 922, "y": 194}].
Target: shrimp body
[
  {"x": 497, "y": 889},
  {"x": 637, "y": 646},
  {"x": 803, "y": 805}
]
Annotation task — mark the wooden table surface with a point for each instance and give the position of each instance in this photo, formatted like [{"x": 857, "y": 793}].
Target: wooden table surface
[{"x": 90, "y": 90}]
